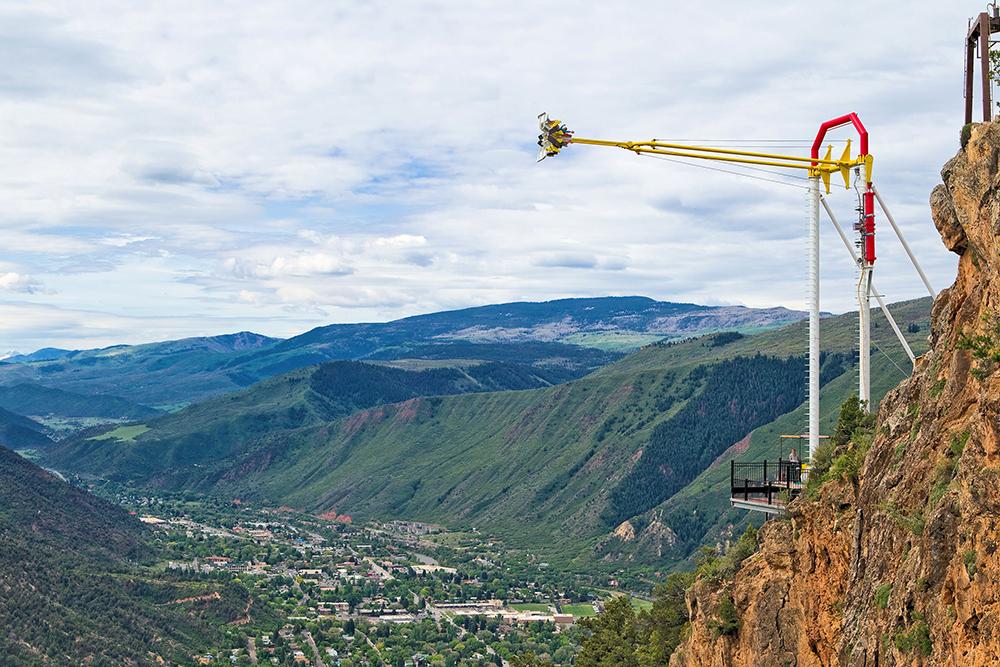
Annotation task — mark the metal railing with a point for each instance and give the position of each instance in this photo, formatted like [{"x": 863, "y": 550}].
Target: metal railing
[{"x": 765, "y": 480}]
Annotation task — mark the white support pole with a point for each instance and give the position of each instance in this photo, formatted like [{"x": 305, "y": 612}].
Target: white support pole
[
  {"x": 864, "y": 337},
  {"x": 906, "y": 246},
  {"x": 813, "y": 317},
  {"x": 871, "y": 285}
]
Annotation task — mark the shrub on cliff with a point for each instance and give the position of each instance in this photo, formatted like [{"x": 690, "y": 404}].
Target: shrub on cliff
[
  {"x": 842, "y": 457},
  {"x": 715, "y": 566},
  {"x": 728, "y": 622}
]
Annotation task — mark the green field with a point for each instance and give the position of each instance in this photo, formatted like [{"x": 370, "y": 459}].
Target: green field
[
  {"x": 614, "y": 341},
  {"x": 640, "y": 604},
  {"x": 123, "y": 433},
  {"x": 579, "y": 610},
  {"x": 530, "y": 606}
]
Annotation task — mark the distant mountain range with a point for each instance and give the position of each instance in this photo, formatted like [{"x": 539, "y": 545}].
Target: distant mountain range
[
  {"x": 153, "y": 374},
  {"x": 564, "y": 339}
]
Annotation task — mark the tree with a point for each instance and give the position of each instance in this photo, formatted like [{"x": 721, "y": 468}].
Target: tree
[
  {"x": 526, "y": 660},
  {"x": 615, "y": 636},
  {"x": 853, "y": 418},
  {"x": 667, "y": 619}
]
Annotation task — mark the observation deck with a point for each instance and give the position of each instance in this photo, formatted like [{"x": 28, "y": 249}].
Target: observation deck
[{"x": 765, "y": 486}]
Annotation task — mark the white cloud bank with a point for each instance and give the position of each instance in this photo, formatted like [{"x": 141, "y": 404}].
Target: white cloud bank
[{"x": 196, "y": 168}]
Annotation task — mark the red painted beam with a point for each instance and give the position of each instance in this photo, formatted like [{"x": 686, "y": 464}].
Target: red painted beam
[
  {"x": 838, "y": 122},
  {"x": 868, "y": 198}
]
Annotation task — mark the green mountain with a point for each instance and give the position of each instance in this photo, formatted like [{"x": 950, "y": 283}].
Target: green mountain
[
  {"x": 614, "y": 464},
  {"x": 607, "y": 322},
  {"x": 17, "y": 432},
  {"x": 158, "y": 375},
  {"x": 227, "y": 425},
  {"x": 34, "y": 399},
  {"x": 73, "y": 593},
  {"x": 564, "y": 339}
]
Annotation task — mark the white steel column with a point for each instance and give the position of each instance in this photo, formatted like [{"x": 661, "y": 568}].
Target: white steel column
[
  {"x": 813, "y": 317},
  {"x": 864, "y": 337}
]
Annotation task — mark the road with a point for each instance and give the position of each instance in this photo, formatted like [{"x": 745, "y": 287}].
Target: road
[
  {"x": 252, "y": 650},
  {"x": 317, "y": 660},
  {"x": 381, "y": 658}
]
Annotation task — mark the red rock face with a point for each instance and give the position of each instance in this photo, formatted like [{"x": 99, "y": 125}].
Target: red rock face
[{"x": 903, "y": 568}]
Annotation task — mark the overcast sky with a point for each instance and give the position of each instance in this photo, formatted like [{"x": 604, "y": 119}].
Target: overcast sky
[{"x": 173, "y": 169}]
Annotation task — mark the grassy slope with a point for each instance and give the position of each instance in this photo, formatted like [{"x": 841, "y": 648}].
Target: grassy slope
[
  {"x": 490, "y": 459},
  {"x": 493, "y": 460},
  {"x": 225, "y": 425}
]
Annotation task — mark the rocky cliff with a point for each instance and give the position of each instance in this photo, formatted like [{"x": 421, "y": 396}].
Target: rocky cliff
[{"x": 897, "y": 565}]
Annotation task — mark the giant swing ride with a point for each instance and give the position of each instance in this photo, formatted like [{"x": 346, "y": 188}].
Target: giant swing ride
[{"x": 755, "y": 487}]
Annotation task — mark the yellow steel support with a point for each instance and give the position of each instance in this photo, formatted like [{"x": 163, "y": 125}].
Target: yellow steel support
[{"x": 555, "y": 136}]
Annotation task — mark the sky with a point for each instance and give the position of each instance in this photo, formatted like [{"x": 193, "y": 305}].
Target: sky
[{"x": 180, "y": 169}]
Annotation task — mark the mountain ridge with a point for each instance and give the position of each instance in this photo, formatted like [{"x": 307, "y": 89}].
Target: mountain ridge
[{"x": 574, "y": 335}]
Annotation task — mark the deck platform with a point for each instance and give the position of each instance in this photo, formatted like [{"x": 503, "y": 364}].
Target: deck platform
[{"x": 765, "y": 486}]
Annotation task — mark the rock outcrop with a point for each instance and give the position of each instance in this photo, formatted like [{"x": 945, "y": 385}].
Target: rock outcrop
[{"x": 901, "y": 568}]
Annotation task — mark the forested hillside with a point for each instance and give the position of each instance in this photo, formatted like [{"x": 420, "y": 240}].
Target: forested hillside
[
  {"x": 72, "y": 593},
  {"x": 700, "y": 513},
  {"x": 33, "y": 399},
  {"x": 227, "y": 425},
  {"x": 19, "y": 432},
  {"x": 739, "y": 395}
]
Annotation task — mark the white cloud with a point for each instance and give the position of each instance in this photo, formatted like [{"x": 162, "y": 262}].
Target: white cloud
[
  {"x": 304, "y": 264},
  {"x": 224, "y": 163},
  {"x": 18, "y": 282}
]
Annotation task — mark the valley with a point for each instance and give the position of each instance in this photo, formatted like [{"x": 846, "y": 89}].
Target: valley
[
  {"x": 475, "y": 503},
  {"x": 340, "y": 592},
  {"x": 623, "y": 467},
  {"x": 491, "y": 334}
]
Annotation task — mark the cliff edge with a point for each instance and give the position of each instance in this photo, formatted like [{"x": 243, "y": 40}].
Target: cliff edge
[{"x": 897, "y": 564}]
